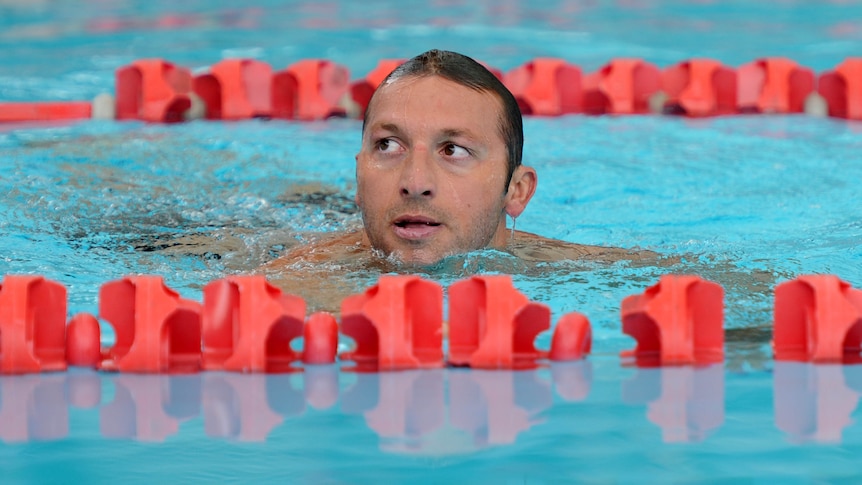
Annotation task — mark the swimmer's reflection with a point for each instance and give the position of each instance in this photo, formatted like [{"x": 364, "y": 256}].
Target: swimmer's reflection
[
  {"x": 408, "y": 410},
  {"x": 814, "y": 402},
  {"x": 687, "y": 403}
]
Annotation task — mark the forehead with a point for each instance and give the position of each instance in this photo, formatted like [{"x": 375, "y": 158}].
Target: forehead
[{"x": 433, "y": 100}]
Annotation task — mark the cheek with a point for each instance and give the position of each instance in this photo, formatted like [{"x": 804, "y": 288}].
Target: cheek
[
  {"x": 369, "y": 189},
  {"x": 362, "y": 182}
]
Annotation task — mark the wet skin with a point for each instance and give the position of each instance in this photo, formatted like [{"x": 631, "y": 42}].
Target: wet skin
[
  {"x": 431, "y": 172},
  {"x": 431, "y": 183}
]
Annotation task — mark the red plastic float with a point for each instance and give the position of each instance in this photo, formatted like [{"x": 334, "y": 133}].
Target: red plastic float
[
  {"x": 236, "y": 89},
  {"x": 818, "y": 318},
  {"x": 546, "y": 87},
  {"x": 700, "y": 87},
  {"x": 623, "y": 86},
  {"x": 842, "y": 89},
  {"x": 83, "y": 341},
  {"x": 773, "y": 85},
  {"x": 572, "y": 338},
  {"x": 153, "y": 90},
  {"x": 397, "y": 324},
  {"x": 310, "y": 90},
  {"x": 362, "y": 90},
  {"x": 32, "y": 325},
  {"x": 45, "y": 111},
  {"x": 156, "y": 330},
  {"x": 492, "y": 325},
  {"x": 677, "y": 321},
  {"x": 157, "y": 91},
  {"x": 248, "y": 325},
  {"x": 320, "y": 339}
]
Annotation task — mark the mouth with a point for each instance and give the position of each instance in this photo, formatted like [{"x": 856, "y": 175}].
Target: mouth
[{"x": 415, "y": 228}]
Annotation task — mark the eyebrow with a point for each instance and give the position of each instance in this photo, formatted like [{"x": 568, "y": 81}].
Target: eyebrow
[
  {"x": 446, "y": 133},
  {"x": 388, "y": 127},
  {"x": 455, "y": 133}
]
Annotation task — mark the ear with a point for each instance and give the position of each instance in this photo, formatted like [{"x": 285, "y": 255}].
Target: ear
[{"x": 521, "y": 190}]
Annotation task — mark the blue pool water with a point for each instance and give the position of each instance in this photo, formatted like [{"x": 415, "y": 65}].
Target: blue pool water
[{"x": 747, "y": 201}]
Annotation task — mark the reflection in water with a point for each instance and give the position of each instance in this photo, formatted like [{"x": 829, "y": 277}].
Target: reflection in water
[
  {"x": 423, "y": 411},
  {"x": 428, "y": 411},
  {"x": 813, "y": 402},
  {"x": 450, "y": 410},
  {"x": 149, "y": 407},
  {"x": 686, "y": 402},
  {"x": 33, "y": 407}
]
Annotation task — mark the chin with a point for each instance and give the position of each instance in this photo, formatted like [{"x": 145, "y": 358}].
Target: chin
[{"x": 416, "y": 257}]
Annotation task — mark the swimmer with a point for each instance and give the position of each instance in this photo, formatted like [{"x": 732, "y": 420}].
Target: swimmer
[{"x": 438, "y": 173}]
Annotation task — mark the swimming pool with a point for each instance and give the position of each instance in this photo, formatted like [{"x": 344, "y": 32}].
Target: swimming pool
[{"x": 749, "y": 201}]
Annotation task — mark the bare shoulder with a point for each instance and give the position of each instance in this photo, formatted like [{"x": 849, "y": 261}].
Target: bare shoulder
[
  {"x": 535, "y": 248},
  {"x": 323, "y": 248}
]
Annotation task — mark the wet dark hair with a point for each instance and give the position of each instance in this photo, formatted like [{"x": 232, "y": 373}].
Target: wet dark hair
[{"x": 465, "y": 71}]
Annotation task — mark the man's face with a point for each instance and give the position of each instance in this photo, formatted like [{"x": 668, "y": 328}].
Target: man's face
[{"x": 432, "y": 169}]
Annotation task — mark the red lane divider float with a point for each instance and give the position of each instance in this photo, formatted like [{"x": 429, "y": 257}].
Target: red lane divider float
[
  {"x": 572, "y": 338},
  {"x": 492, "y": 325},
  {"x": 622, "y": 87},
  {"x": 236, "y": 89},
  {"x": 32, "y": 325},
  {"x": 700, "y": 87},
  {"x": 680, "y": 320},
  {"x": 774, "y": 85},
  {"x": 818, "y": 318},
  {"x": 310, "y": 90},
  {"x": 156, "y": 90},
  {"x": 397, "y": 324},
  {"x": 247, "y": 325},
  {"x": 842, "y": 89},
  {"x": 156, "y": 329},
  {"x": 42, "y": 111},
  {"x": 546, "y": 87},
  {"x": 153, "y": 90}
]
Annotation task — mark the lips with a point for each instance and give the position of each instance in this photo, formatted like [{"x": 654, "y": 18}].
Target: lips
[{"x": 415, "y": 227}]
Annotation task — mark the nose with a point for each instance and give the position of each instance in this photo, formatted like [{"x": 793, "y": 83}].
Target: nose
[{"x": 418, "y": 180}]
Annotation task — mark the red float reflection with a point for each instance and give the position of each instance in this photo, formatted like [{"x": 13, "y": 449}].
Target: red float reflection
[
  {"x": 814, "y": 402},
  {"x": 686, "y": 402},
  {"x": 418, "y": 411}
]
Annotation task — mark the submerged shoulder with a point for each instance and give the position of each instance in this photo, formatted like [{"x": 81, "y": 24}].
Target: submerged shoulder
[{"x": 532, "y": 247}]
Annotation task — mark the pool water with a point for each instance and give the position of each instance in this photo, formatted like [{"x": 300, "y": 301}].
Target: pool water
[{"x": 746, "y": 201}]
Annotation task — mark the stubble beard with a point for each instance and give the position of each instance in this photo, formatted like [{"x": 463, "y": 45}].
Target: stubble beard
[{"x": 427, "y": 253}]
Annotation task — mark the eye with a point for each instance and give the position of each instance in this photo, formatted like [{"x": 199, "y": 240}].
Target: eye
[
  {"x": 455, "y": 151},
  {"x": 387, "y": 145}
]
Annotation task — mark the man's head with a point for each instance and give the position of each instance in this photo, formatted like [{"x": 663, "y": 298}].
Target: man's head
[
  {"x": 440, "y": 162},
  {"x": 463, "y": 70}
]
